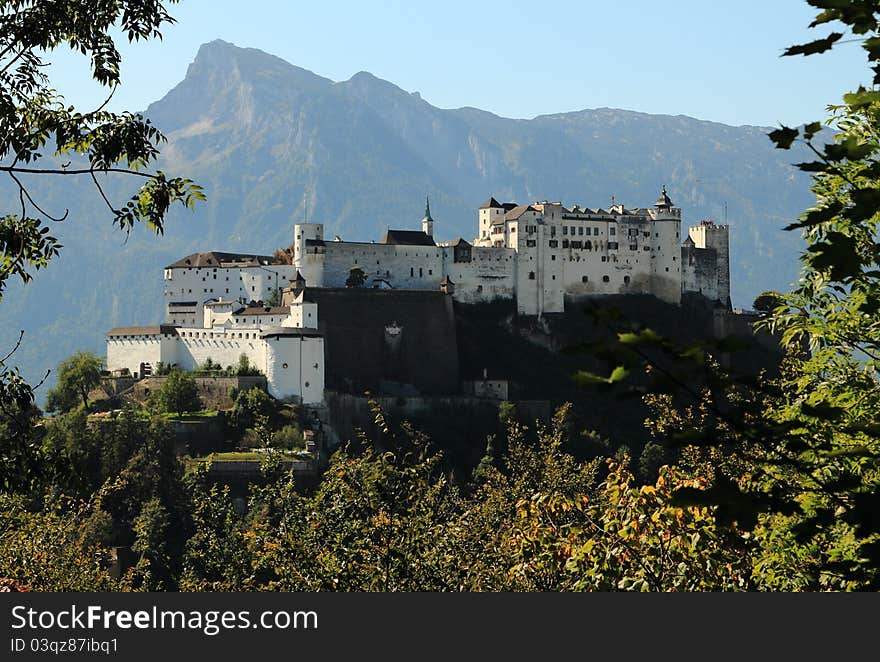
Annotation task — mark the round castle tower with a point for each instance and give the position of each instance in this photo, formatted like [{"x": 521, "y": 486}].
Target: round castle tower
[{"x": 309, "y": 260}]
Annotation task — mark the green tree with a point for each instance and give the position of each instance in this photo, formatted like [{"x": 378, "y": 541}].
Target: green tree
[
  {"x": 44, "y": 549},
  {"x": 356, "y": 277},
  {"x": 274, "y": 298},
  {"x": 151, "y": 533},
  {"x": 77, "y": 376},
  {"x": 768, "y": 301},
  {"x": 178, "y": 394},
  {"x": 41, "y": 130},
  {"x": 252, "y": 406},
  {"x": 244, "y": 368}
]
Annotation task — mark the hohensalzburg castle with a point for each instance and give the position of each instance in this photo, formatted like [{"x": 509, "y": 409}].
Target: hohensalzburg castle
[{"x": 537, "y": 255}]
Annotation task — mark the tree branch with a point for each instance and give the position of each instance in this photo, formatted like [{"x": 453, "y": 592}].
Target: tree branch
[{"x": 79, "y": 171}]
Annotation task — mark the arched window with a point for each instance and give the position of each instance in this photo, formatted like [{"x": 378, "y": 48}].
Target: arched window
[
  {"x": 605, "y": 279},
  {"x": 626, "y": 280},
  {"x": 531, "y": 275}
]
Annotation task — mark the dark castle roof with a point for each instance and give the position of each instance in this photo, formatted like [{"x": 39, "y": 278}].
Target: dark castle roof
[
  {"x": 491, "y": 203},
  {"x": 263, "y": 310},
  {"x": 154, "y": 330},
  {"x": 218, "y": 259},
  {"x": 408, "y": 238}
]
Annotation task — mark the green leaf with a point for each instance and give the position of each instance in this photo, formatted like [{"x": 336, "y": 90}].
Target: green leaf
[
  {"x": 815, "y": 46},
  {"x": 618, "y": 374},
  {"x": 783, "y": 137}
]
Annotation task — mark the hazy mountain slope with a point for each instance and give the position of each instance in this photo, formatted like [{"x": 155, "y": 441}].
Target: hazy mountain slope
[{"x": 272, "y": 143}]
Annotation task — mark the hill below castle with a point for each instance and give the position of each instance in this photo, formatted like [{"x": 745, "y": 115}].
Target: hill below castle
[{"x": 273, "y": 143}]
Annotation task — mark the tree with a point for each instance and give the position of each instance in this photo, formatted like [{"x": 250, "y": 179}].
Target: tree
[
  {"x": 356, "y": 277},
  {"x": 179, "y": 393},
  {"x": 768, "y": 301},
  {"x": 244, "y": 368},
  {"x": 274, "y": 298},
  {"x": 77, "y": 376},
  {"x": 99, "y": 144}
]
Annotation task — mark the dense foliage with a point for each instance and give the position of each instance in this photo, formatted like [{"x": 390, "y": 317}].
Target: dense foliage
[{"x": 751, "y": 482}]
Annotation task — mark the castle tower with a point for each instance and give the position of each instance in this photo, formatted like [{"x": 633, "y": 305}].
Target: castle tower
[
  {"x": 309, "y": 259},
  {"x": 665, "y": 247},
  {"x": 488, "y": 213},
  {"x": 427, "y": 221},
  {"x": 710, "y": 235}
]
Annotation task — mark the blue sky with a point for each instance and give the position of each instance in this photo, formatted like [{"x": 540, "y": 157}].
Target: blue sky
[{"x": 711, "y": 60}]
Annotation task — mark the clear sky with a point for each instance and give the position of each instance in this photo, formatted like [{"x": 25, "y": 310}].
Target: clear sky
[{"x": 707, "y": 59}]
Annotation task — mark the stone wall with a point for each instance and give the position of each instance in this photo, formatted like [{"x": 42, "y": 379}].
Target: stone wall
[
  {"x": 373, "y": 336},
  {"x": 213, "y": 391}
]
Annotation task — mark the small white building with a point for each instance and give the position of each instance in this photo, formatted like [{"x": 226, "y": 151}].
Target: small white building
[{"x": 283, "y": 342}]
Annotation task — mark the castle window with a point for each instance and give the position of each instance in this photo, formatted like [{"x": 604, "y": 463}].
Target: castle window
[
  {"x": 420, "y": 270},
  {"x": 626, "y": 280},
  {"x": 553, "y": 277},
  {"x": 585, "y": 279},
  {"x": 306, "y": 384},
  {"x": 605, "y": 279},
  {"x": 284, "y": 365},
  {"x": 588, "y": 245},
  {"x": 604, "y": 258},
  {"x": 572, "y": 230},
  {"x": 531, "y": 243},
  {"x": 564, "y": 229},
  {"x": 430, "y": 272},
  {"x": 667, "y": 268},
  {"x": 673, "y": 258},
  {"x": 553, "y": 257},
  {"x": 656, "y": 234},
  {"x": 565, "y": 243},
  {"x": 411, "y": 273},
  {"x": 634, "y": 247},
  {"x": 580, "y": 230},
  {"x": 612, "y": 231},
  {"x": 552, "y": 230},
  {"x": 553, "y": 243},
  {"x": 531, "y": 275}
]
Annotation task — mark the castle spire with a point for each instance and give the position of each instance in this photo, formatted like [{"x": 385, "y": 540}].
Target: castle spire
[{"x": 427, "y": 221}]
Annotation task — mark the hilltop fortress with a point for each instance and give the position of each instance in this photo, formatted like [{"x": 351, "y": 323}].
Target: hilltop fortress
[{"x": 538, "y": 255}]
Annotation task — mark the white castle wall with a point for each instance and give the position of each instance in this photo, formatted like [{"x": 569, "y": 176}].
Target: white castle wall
[
  {"x": 295, "y": 365},
  {"x": 404, "y": 267},
  {"x": 489, "y": 275},
  {"x": 201, "y": 284},
  {"x": 133, "y": 350}
]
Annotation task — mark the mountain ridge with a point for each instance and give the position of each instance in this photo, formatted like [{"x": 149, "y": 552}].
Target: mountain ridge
[{"x": 273, "y": 143}]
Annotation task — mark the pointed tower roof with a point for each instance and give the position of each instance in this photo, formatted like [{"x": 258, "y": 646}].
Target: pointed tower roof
[
  {"x": 491, "y": 203},
  {"x": 663, "y": 200},
  {"x": 427, "y": 210}
]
